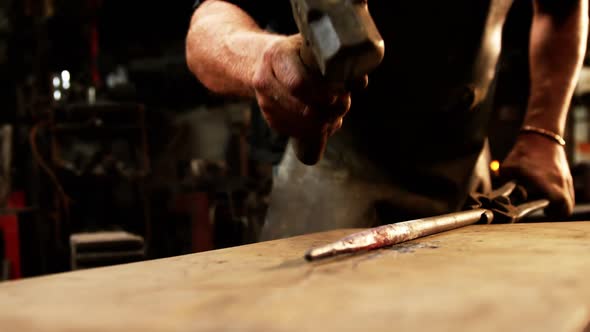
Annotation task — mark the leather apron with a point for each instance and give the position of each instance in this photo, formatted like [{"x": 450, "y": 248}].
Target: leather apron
[{"x": 409, "y": 149}]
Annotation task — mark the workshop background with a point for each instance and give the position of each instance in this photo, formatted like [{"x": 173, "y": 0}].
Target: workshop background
[{"x": 112, "y": 152}]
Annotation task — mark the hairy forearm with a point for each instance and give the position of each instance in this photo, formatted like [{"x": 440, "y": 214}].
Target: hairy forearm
[
  {"x": 557, "y": 47},
  {"x": 222, "y": 47}
]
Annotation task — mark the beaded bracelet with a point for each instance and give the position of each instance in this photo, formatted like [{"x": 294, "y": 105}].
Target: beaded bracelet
[{"x": 547, "y": 133}]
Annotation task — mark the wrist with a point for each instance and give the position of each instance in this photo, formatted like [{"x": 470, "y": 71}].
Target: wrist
[
  {"x": 548, "y": 135},
  {"x": 249, "y": 48},
  {"x": 266, "y": 45},
  {"x": 551, "y": 116}
]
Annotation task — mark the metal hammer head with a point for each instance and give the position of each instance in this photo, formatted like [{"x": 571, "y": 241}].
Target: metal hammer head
[{"x": 342, "y": 36}]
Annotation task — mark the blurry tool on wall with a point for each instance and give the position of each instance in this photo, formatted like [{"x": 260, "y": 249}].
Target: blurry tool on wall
[{"x": 98, "y": 162}]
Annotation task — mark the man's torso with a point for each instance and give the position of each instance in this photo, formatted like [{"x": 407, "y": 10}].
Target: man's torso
[{"x": 412, "y": 138}]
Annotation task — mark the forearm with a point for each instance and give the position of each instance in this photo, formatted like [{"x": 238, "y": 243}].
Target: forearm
[
  {"x": 223, "y": 46},
  {"x": 557, "y": 47}
]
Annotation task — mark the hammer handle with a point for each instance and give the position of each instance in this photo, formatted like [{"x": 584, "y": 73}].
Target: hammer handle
[{"x": 310, "y": 149}]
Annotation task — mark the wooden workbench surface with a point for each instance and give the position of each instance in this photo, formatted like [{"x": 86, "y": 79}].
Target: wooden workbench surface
[{"x": 521, "y": 277}]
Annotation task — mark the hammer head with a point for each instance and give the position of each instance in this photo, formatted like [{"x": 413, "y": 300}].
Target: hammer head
[{"x": 341, "y": 36}]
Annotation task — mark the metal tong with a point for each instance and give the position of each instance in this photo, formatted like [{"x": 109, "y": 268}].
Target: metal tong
[{"x": 507, "y": 204}]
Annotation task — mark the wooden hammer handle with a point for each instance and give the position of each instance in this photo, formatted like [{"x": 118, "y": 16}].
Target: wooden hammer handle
[{"x": 310, "y": 149}]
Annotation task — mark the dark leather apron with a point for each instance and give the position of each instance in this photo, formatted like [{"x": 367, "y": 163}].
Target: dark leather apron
[{"x": 411, "y": 144}]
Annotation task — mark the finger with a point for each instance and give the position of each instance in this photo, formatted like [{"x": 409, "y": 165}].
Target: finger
[
  {"x": 538, "y": 187},
  {"x": 290, "y": 124},
  {"x": 514, "y": 173},
  {"x": 562, "y": 197},
  {"x": 572, "y": 190},
  {"x": 357, "y": 85},
  {"x": 558, "y": 209},
  {"x": 561, "y": 201},
  {"x": 282, "y": 113},
  {"x": 534, "y": 183},
  {"x": 336, "y": 126},
  {"x": 337, "y": 109},
  {"x": 290, "y": 117},
  {"x": 572, "y": 196},
  {"x": 311, "y": 117}
]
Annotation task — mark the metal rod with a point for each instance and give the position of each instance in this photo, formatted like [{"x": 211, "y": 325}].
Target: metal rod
[{"x": 388, "y": 235}]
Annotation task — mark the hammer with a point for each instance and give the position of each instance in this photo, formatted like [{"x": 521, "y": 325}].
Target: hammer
[{"x": 342, "y": 43}]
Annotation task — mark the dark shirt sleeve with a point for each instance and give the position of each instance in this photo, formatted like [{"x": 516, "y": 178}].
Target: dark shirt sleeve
[{"x": 274, "y": 15}]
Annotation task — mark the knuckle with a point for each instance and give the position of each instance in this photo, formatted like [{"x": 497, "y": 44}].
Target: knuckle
[
  {"x": 295, "y": 82},
  {"x": 341, "y": 105},
  {"x": 306, "y": 113},
  {"x": 259, "y": 81},
  {"x": 270, "y": 52},
  {"x": 346, "y": 102}
]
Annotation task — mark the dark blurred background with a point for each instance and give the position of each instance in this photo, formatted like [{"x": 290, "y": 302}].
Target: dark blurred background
[{"x": 112, "y": 152}]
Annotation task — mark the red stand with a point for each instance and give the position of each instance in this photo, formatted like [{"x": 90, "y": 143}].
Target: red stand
[
  {"x": 196, "y": 205},
  {"x": 9, "y": 227}
]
